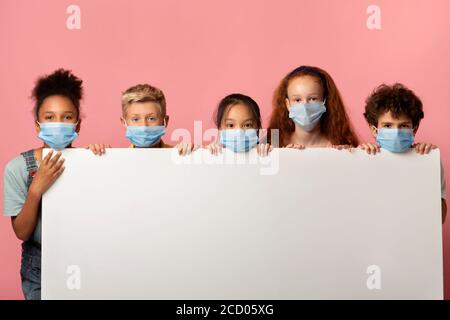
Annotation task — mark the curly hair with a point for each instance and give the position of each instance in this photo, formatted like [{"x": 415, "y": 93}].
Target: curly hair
[
  {"x": 61, "y": 82},
  {"x": 334, "y": 124},
  {"x": 396, "y": 98}
]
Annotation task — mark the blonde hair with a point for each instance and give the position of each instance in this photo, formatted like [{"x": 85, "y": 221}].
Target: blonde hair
[{"x": 143, "y": 93}]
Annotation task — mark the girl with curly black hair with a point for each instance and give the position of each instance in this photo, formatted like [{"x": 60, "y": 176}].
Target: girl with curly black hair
[{"x": 57, "y": 121}]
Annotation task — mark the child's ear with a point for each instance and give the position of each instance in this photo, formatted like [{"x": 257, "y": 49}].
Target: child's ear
[
  {"x": 77, "y": 129},
  {"x": 166, "y": 119},
  {"x": 37, "y": 127},
  {"x": 122, "y": 120},
  {"x": 374, "y": 130},
  {"x": 288, "y": 105}
]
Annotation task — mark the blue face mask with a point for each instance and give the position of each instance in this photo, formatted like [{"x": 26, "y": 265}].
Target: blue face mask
[
  {"x": 57, "y": 135},
  {"x": 307, "y": 115},
  {"x": 145, "y": 136},
  {"x": 239, "y": 140},
  {"x": 395, "y": 140}
]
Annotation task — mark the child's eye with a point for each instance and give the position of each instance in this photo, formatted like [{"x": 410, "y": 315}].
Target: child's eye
[
  {"x": 230, "y": 125},
  {"x": 48, "y": 117},
  {"x": 134, "y": 119},
  {"x": 312, "y": 99},
  {"x": 386, "y": 126}
]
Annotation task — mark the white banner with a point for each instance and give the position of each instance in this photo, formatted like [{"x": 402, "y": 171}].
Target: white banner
[{"x": 300, "y": 224}]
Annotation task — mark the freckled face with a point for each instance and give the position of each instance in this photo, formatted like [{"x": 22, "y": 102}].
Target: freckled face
[{"x": 304, "y": 89}]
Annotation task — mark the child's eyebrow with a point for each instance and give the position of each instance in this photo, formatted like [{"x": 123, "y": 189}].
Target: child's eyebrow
[
  {"x": 145, "y": 115},
  {"x": 308, "y": 95},
  {"x": 53, "y": 112}
]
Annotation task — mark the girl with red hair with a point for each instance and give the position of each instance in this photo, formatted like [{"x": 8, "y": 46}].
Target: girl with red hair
[{"x": 308, "y": 111}]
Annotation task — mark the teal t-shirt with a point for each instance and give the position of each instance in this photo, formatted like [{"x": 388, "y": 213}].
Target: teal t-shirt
[{"x": 16, "y": 191}]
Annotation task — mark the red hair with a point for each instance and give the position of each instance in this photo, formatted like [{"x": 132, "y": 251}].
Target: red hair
[{"x": 334, "y": 124}]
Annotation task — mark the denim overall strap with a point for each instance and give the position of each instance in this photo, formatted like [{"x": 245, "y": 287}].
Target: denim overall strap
[
  {"x": 30, "y": 270},
  {"x": 32, "y": 167}
]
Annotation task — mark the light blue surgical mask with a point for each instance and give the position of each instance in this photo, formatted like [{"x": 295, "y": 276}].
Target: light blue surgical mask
[
  {"x": 395, "y": 140},
  {"x": 57, "y": 135},
  {"x": 307, "y": 115},
  {"x": 145, "y": 136},
  {"x": 239, "y": 140}
]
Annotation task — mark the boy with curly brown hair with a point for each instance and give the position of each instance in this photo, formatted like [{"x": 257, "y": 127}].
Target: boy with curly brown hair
[{"x": 394, "y": 114}]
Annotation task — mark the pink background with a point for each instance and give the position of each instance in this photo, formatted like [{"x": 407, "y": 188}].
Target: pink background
[{"x": 198, "y": 51}]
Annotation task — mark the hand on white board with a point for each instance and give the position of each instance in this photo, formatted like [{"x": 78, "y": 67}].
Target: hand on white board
[
  {"x": 49, "y": 170},
  {"x": 423, "y": 148},
  {"x": 370, "y": 148},
  {"x": 98, "y": 148},
  {"x": 342, "y": 147},
  {"x": 295, "y": 146},
  {"x": 186, "y": 148},
  {"x": 264, "y": 149},
  {"x": 215, "y": 148},
  {"x": 420, "y": 148}
]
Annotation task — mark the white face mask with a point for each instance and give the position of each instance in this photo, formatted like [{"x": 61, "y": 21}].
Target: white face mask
[
  {"x": 395, "y": 140},
  {"x": 307, "y": 115},
  {"x": 57, "y": 135},
  {"x": 239, "y": 140}
]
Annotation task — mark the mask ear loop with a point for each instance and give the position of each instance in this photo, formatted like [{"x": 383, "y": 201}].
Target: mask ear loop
[
  {"x": 289, "y": 100},
  {"x": 376, "y": 129}
]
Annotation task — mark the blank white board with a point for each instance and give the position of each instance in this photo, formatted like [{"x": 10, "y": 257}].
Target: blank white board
[{"x": 300, "y": 224}]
